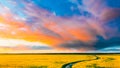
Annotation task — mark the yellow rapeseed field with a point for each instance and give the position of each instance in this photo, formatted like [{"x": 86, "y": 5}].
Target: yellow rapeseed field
[
  {"x": 104, "y": 61},
  {"x": 59, "y": 61}
]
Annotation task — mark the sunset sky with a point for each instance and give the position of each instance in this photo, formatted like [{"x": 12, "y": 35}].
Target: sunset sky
[{"x": 59, "y": 25}]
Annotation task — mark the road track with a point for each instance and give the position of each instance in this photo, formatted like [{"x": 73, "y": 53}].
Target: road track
[{"x": 69, "y": 65}]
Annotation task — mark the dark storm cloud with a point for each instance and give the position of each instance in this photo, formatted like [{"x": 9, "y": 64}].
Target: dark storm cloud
[
  {"x": 98, "y": 45},
  {"x": 76, "y": 44},
  {"x": 115, "y": 41}
]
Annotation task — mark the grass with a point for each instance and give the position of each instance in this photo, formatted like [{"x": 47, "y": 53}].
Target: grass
[
  {"x": 94, "y": 66},
  {"x": 37, "y": 66},
  {"x": 109, "y": 59}
]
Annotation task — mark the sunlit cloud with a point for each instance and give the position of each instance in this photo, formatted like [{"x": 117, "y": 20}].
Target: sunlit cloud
[
  {"x": 15, "y": 42},
  {"x": 74, "y": 25}
]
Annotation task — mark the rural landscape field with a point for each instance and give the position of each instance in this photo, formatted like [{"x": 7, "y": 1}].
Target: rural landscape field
[
  {"x": 59, "y": 33},
  {"x": 59, "y": 61}
]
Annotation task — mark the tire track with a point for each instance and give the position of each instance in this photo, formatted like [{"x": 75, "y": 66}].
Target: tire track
[{"x": 69, "y": 65}]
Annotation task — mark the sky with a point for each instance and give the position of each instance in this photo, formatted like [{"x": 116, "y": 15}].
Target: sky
[{"x": 59, "y": 25}]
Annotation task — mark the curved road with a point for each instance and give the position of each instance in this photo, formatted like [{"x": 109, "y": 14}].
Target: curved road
[{"x": 69, "y": 65}]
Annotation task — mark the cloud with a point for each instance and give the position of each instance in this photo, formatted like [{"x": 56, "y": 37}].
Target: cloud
[
  {"x": 78, "y": 28},
  {"x": 40, "y": 47},
  {"x": 107, "y": 43},
  {"x": 5, "y": 42},
  {"x": 76, "y": 45}
]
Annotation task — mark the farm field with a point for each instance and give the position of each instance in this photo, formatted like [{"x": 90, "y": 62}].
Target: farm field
[{"x": 60, "y": 61}]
